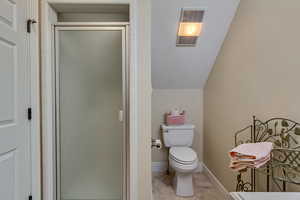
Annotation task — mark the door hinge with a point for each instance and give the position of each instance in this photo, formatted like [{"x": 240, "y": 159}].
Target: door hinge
[
  {"x": 30, "y": 197},
  {"x": 29, "y": 23},
  {"x": 29, "y": 113}
]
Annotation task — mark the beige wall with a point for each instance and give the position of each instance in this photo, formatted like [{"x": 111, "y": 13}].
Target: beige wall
[
  {"x": 164, "y": 100},
  {"x": 256, "y": 73}
]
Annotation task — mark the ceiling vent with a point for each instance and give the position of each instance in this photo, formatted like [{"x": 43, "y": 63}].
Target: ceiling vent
[{"x": 190, "y": 26}]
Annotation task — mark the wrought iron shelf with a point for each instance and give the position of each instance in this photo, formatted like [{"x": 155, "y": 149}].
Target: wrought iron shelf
[{"x": 284, "y": 166}]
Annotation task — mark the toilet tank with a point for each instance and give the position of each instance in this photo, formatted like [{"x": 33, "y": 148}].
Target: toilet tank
[{"x": 181, "y": 135}]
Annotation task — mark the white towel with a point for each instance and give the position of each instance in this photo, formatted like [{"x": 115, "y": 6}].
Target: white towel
[
  {"x": 252, "y": 150},
  {"x": 242, "y": 164},
  {"x": 250, "y": 155}
]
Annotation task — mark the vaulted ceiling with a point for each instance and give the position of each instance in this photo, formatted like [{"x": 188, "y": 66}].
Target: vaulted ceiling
[{"x": 187, "y": 67}]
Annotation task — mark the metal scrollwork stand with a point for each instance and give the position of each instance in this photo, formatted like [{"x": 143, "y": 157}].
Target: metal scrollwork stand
[
  {"x": 284, "y": 166},
  {"x": 243, "y": 186}
]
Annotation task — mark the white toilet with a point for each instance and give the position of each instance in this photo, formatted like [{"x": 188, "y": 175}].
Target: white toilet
[{"x": 182, "y": 158}]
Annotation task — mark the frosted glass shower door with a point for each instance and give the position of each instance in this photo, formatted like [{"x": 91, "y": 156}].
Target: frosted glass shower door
[{"x": 90, "y": 95}]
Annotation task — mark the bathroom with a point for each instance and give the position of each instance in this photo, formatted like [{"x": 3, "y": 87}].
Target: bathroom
[
  {"x": 183, "y": 88},
  {"x": 149, "y": 100},
  {"x": 222, "y": 85}
]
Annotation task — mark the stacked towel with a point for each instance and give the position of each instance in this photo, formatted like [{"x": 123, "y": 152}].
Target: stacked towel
[{"x": 250, "y": 155}]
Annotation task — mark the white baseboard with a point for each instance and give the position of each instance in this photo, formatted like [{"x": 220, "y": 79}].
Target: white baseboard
[
  {"x": 159, "y": 166},
  {"x": 215, "y": 181},
  {"x": 200, "y": 167},
  {"x": 163, "y": 166}
]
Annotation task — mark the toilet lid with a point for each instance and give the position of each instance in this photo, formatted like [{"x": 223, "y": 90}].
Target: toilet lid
[{"x": 184, "y": 155}]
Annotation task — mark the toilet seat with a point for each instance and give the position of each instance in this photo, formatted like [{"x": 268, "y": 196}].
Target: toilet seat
[
  {"x": 183, "y": 155},
  {"x": 184, "y": 161}
]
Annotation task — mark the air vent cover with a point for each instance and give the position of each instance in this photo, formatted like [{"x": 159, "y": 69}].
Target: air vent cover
[{"x": 190, "y": 26}]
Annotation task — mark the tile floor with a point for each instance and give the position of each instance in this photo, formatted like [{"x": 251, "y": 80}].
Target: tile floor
[{"x": 203, "y": 188}]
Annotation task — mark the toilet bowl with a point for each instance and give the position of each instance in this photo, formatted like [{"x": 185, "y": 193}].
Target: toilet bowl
[
  {"x": 184, "y": 161},
  {"x": 182, "y": 158}
]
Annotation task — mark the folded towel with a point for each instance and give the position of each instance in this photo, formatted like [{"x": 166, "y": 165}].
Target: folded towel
[
  {"x": 249, "y": 161},
  {"x": 238, "y": 165},
  {"x": 252, "y": 150},
  {"x": 250, "y": 155}
]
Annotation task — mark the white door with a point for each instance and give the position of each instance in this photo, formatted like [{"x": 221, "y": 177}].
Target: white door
[{"x": 14, "y": 101}]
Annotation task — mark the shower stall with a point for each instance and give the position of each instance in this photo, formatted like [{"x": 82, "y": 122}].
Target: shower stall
[
  {"x": 95, "y": 99},
  {"x": 88, "y": 101},
  {"x": 91, "y": 110}
]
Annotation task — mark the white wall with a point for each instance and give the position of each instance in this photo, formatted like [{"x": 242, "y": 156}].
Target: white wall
[
  {"x": 143, "y": 93},
  {"x": 189, "y": 100}
]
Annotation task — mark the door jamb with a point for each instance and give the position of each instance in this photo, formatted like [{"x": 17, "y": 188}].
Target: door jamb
[
  {"x": 32, "y": 12},
  {"x": 46, "y": 93}
]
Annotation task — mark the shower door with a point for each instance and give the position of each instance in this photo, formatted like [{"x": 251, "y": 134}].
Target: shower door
[{"x": 90, "y": 113}]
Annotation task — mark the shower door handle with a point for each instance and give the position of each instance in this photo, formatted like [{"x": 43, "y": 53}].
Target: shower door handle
[{"x": 121, "y": 115}]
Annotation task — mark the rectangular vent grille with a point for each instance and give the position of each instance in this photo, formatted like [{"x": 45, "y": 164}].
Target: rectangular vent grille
[
  {"x": 189, "y": 15},
  {"x": 192, "y": 15}
]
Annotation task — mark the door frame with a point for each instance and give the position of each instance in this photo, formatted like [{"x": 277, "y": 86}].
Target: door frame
[
  {"x": 33, "y": 52},
  {"x": 123, "y": 27},
  {"x": 47, "y": 56},
  {"x": 139, "y": 175}
]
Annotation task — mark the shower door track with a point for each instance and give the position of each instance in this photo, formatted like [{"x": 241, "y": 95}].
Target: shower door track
[{"x": 124, "y": 28}]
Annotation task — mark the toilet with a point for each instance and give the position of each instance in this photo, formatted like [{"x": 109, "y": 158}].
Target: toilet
[{"x": 182, "y": 158}]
